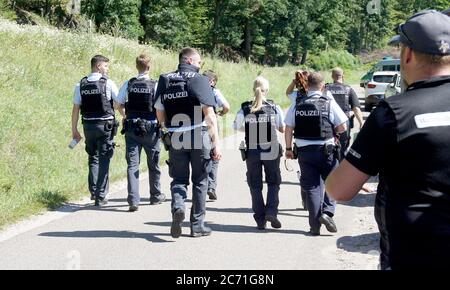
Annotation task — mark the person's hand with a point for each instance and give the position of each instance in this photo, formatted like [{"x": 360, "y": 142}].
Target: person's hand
[
  {"x": 289, "y": 154},
  {"x": 216, "y": 153},
  {"x": 76, "y": 135}
]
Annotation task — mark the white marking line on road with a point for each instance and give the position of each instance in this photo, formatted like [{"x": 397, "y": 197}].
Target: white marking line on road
[{"x": 39, "y": 220}]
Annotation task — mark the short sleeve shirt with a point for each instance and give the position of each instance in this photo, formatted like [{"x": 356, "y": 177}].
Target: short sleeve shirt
[
  {"x": 374, "y": 140},
  {"x": 111, "y": 89}
]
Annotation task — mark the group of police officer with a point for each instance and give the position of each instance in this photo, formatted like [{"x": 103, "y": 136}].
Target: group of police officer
[
  {"x": 181, "y": 108},
  {"x": 413, "y": 200}
]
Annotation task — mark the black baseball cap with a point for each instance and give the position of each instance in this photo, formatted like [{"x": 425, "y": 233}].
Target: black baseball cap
[{"x": 427, "y": 32}]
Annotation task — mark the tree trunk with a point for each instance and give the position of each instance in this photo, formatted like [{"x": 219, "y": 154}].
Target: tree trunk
[
  {"x": 304, "y": 56},
  {"x": 294, "y": 59},
  {"x": 247, "y": 39},
  {"x": 216, "y": 23}
]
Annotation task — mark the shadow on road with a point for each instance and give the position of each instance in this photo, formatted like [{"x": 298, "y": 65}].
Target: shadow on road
[
  {"x": 290, "y": 183},
  {"x": 235, "y": 228},
  {"x": 233, "y": 210},
  {"x": 361, "y": 244},
  {"x": 108, "y": 234},
  {"x": 361, "y": 200}
]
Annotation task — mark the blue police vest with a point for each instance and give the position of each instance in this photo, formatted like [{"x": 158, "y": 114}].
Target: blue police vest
[
  {"x": 260, "y": 127},
  {"x": 312, "y": 119},
  {"x": 341, "y": 94},
  {"x": 141, "y": 99},
  {"x": 94, "y": 103},
  {"x": 178, "y": 102}
]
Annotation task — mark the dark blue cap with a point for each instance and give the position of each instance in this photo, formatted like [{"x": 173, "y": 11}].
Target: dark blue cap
[{"x": 427, "y": 32}]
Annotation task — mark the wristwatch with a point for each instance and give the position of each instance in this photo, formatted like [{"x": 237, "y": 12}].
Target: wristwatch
[{"x": 288, "y": 149}]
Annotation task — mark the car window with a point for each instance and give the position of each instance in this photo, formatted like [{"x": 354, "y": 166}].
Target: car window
[
  {"x": 383, "y": 78},
  {"x": 389, "y": 67}
]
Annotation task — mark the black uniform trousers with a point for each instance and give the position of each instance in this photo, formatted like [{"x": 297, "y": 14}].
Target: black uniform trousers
[
  {"x": 190, "y": 149},
  {"x": 151, "y": 144},
  {"x": 257, "y": 160},
  {"x": 315, "y": 166},
  {"x": 100, "y": 148}
]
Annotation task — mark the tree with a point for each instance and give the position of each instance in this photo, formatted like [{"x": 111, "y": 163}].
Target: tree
[{"x": 115, "y": 16}]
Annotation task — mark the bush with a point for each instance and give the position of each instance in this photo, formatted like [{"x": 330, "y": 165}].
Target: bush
[{"x": 332, "y": 58}]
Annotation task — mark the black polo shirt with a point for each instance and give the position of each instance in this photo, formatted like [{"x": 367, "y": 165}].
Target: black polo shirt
[{"x": 406, "y": 140}]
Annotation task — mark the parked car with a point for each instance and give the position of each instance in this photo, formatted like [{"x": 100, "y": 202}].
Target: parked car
[
  {"x": 375, "y": 89},
  {"x": 395, "y": 87},
  {"x": 386, "y": 64}
]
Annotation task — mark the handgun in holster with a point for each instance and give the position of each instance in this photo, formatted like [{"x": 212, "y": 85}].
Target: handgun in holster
[
  {"x": 329, "y": 149},
  {"x": 295, "y": 151},
  {"x": 115, "y": 128},
  {"x": 351, "y": 122},
  {"x": 140, "y": 128},
  {"x": 124, "y": 127},
  {"x": 112, "y": 125},
  {"x": 166, "y": 138},
  {"x": 243, "y": 149},
  {"x": 337, "y": 151}
]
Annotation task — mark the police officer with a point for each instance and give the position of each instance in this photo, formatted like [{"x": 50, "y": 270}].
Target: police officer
[
  {"x": 406, "y": 140},
  {"x": 221, "y": 109},
  {"x": 261, "y": 119},
  {"x": 315, "y": 120},
  {"x": 348, "y": 100},
  {"x": 141, "y": 130},
  {"x": 298, "y": 87},
  {"x": 185, "y": 110},
  {"x": 94, "y": 97}
]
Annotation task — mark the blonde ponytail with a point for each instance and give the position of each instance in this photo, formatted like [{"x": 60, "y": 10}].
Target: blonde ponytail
[{"x": 260, "y": 88}]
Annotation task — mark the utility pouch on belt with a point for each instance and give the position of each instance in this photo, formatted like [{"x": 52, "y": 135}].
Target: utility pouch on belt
[{"x": 328, "y": 149}]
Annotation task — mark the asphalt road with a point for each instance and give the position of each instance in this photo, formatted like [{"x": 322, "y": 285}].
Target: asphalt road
[{"x": 80, "y": 236}]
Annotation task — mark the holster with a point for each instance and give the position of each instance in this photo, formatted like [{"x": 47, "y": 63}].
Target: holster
[
  {"x": 166, "y": 138},
  {"x": 351, "y": 122},
  {"x": 337, "y": 151},
  {"x": 125, "y": 126},
  {"x": 295, "y": 151},
  {"x": 329, "y": 149},
  {"x": 243, "y": 153},
  {"x": 113, "y": 126}
]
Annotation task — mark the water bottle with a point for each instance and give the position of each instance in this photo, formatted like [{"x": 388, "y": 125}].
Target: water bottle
[{"x": 73, "y": 143}]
